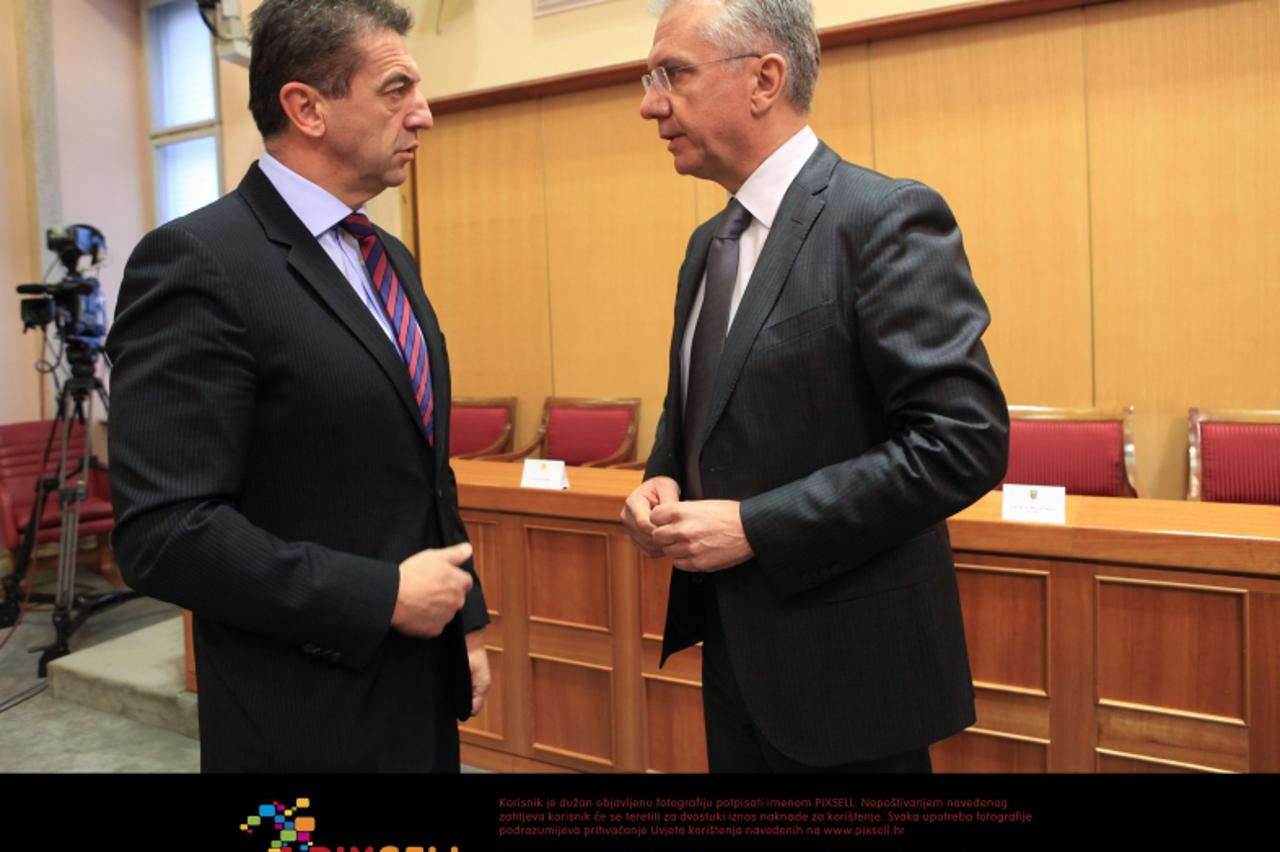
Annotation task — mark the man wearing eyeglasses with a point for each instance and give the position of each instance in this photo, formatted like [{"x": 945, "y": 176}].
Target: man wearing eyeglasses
[{"x": 829, "y": 405}]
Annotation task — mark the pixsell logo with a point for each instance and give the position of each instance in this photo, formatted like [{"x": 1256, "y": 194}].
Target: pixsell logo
[{"x": 285, "y": 829}]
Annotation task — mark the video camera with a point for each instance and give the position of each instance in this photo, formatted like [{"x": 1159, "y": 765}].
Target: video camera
[{"x": 75, "y": 305}]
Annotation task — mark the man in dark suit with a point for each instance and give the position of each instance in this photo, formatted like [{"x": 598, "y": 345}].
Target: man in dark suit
[
  {"x": 279, "y": 439},
  {"x": 829, "y": 405}
]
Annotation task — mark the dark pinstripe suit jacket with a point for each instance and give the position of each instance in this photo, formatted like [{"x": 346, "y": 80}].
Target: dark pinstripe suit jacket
[
  {"x": 853, "y": 410},
  {"x": 268, "y": 472}
]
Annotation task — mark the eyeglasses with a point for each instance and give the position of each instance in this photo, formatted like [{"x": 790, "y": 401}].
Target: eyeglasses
[{"x": 662, "y": 77}]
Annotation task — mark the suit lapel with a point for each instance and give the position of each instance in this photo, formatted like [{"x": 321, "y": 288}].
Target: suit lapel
[
  {"x": 411, "y": 284},
  {"x": 800, "y": 207},
  {"x": 318, "y": 271}
]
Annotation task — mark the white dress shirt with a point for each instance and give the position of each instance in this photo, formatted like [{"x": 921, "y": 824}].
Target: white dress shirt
[
  {"x": 761, "y": 195},
  {"x": 320, "y": 212}
]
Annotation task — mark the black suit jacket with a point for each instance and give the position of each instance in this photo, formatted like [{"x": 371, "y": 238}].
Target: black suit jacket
[
  {"x": 269, "y": 472},
  {"x": 854, "y": 409}
]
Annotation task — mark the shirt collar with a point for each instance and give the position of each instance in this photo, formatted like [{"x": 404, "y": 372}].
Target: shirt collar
[
  {"x": 762, "y": 193},
  {"x": 318, "y": 208}
]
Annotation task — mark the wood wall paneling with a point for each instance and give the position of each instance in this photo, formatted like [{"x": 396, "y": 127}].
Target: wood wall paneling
[
  {"x": 1264, "y": 662},
  {"x": 1111, "y": 168},
  {"x": 993, "y": 117},
  {"x": 495, "y": 760},
  {"x": 1109, "y": 762},
  {"x": 684, "y": 665},
  {"x": 1170, "y": 647},
  {"x": 567, "y": 576},
  {"x": 483, "y": 251},
  {"x": 491, "y": 721},
  {"x": 1024, "y": 714},
  {"x": 618, "y": 219},
  {"x": 484, "y": 537},
  {"x": 628, "y": 686},
  {"x": 1006, "y": 625},
  {"x": 675, "y": 738},
  {"x": 1204, "y": 743},
  {"x": 981, "y": 751},
  {"x": 1185, "y": 189},
  {"x": 1072, "y": 666},
  {"x": 586, "y": 734},
  {"x": 590, "y": 647},
  {"x": 842, "y": 104},
  {"x": 655, "y": 585}
]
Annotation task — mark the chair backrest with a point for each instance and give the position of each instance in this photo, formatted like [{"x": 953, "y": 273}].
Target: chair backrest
[
  {"x": 22, "y": 462},
  {"x": 1085, "y": 450},
  {"x": 479, "y": 426},
  {"x": 1233, "y": 456},
  {"x": 32, "y": 433},
  {"x": 582, "y": 431},
  {"x": 22, "y": 446}
]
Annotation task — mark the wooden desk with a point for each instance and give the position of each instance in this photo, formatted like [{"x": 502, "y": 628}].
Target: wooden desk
[{"x": 1144, "y": 635}]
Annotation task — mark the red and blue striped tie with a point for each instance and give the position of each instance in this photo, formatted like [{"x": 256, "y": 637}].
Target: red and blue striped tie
[{"x": 408, "y": 335}]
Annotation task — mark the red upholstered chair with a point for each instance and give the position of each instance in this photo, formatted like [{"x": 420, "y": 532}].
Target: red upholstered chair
[
  {"x": 1085, "y": 450},
  {"x": 584, "y": 432},
  {"x": 22, "y": 463},
  {"x": 1233, "y": 456},
  {"x": 479, "y": 426}
]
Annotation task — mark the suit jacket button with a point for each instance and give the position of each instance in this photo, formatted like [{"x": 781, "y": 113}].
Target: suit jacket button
[
  {"x": 309, "y": 648},
  {"x": 697, "y": 579}
]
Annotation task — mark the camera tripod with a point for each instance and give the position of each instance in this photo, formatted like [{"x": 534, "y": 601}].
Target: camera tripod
[{"x": 70, "y": 610}]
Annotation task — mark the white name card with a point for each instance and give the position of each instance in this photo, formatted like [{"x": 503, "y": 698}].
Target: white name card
[
  {"x": 544, "y": 473},
  {"x": 1039, "y": 504}
]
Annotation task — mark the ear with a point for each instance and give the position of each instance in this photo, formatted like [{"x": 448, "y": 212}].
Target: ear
[
  {"x": 770, "y": 81},
  {"x": 304, "y": 107}
]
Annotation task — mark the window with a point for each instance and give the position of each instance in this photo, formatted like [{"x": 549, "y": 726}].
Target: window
[{"x": 185, "y": 127}]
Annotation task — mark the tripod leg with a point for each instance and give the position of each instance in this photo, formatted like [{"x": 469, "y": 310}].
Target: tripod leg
[
  {"x": 71, "y": 610},
  {"x": 69, "y": 496}
]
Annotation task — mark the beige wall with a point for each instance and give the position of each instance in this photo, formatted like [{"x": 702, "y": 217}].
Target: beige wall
[
  {"x": 19, "y": 263},
  {"x": 1113, "y": 170},
  {"x": 465, "y": 45},
  {"x": 102, "y": 150},
  {"x": 70, "y": 154}
]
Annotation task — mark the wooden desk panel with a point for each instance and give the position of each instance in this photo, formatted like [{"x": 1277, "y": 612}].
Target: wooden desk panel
[{"x": 1143, "y": 635}]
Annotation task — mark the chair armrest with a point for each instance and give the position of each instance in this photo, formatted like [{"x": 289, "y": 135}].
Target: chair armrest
[
  {"x": 99, "y": 482},
  {"x": 624, "y": 453},
  {"x": 523, "y": 452},
  {"x": 9, "y": 519}
]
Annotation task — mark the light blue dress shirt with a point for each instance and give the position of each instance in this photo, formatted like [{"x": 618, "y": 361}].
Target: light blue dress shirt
[{"x": 321, "y": 211}]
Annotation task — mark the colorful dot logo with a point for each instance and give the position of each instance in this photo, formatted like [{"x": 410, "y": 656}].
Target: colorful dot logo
[{"x": 291, "y": 831}]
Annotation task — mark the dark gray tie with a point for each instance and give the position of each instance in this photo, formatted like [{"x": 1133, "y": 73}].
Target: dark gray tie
[{"x": 708, "y": 337}]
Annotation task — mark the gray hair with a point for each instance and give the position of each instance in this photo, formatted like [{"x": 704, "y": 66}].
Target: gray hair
[{"x": 784, "y": 27}]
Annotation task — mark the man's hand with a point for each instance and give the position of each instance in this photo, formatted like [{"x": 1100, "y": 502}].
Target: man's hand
[
  {"x": 701, "y": 535},
  {"x": 636, "y": 513},
  {"x": 478, "y": 660},
  {"x": 432, "y": 589}
]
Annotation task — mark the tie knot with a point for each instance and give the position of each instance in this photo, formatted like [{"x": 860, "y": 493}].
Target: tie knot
[
  {"x": 733, "y": 221},
  {"x": 358, "y": 226}
]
